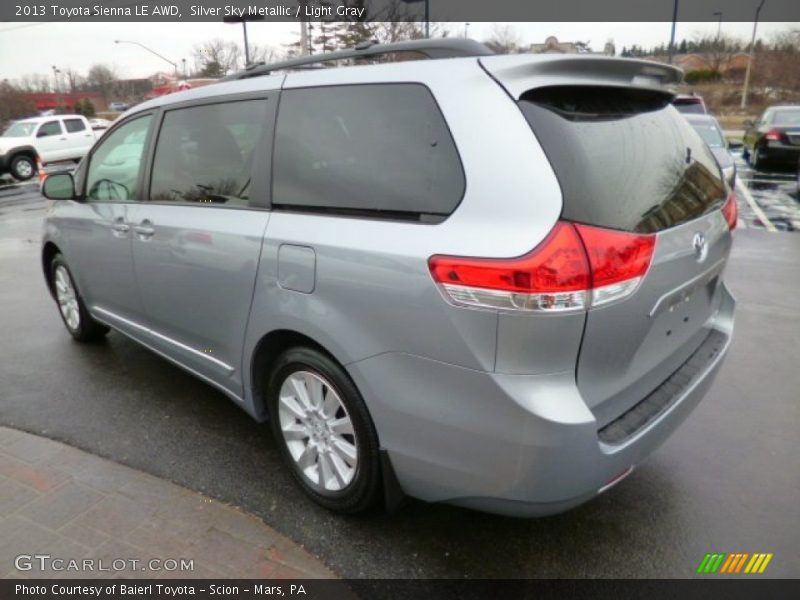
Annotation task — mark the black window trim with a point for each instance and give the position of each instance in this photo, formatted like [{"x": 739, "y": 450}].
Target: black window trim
[
  {"x": 261, "y": 183},
  {"x": 153, "y": 113},
  {"x": 370, "y": 214}
]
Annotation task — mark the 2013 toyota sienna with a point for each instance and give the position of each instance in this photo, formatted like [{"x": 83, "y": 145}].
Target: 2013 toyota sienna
[{"x": 492, "y": 281}]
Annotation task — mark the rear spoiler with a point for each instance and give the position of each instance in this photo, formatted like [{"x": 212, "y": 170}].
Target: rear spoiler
[{"x": 522, "y": 72}]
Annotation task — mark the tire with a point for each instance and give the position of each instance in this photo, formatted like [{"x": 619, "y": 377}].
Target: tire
[
  {"x": 336, "y": 463},
  {"x": 72, "y": 309},
  {"x": 755, "y": 159},
  {"x": 22, "y": 167}
]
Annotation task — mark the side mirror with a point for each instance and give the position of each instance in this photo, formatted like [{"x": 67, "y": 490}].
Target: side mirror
[{"x": 59, "y": 186}]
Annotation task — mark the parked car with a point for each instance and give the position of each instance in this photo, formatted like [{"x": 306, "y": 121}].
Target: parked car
[
  {"x": 99, "y": 124},
  {"x": 690, "y": 104},
  {"x": 774, "y": 138},
  {"x": 709, "y": 129},
  {"x": 118, "y": 106},
  {"x": 49, "y": 139},
  {"x": 493, "y": 281}
]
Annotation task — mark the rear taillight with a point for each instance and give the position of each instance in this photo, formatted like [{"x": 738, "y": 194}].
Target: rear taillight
[
  {"x": 730, "y": 211},
  {"x": 774, "y": 135},
  {"x": 576, "y": 266}
]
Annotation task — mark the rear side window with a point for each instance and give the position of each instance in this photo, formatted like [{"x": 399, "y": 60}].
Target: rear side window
[
  {"x": 625, "y": 158},
  {"x": 374, "y": 150},
  {"x": 204, "y": 154},
  {"x": 74, "y": 125}
]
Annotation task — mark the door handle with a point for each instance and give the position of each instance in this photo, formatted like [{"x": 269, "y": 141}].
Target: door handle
[
  {"x": 119, "y": 227},
  {"x": 144, "y": 229}
]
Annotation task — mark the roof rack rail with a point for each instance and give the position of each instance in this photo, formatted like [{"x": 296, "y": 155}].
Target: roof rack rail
[{"x": 436, "y": 48}]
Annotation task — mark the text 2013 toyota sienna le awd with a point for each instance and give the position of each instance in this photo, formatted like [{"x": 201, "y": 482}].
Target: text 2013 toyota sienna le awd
[{"x": 493, "y": 281}]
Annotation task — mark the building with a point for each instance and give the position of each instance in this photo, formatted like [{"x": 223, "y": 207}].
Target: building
[
  {"x": 64, "y": 100},
  {"x": 551, "y": 45}
]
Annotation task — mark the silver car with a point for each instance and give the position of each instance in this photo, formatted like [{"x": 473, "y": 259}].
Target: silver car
[{"x": 492, "y": 281}]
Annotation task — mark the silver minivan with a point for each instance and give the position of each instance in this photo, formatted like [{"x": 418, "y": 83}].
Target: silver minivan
[{"x": 492, "y": 281}]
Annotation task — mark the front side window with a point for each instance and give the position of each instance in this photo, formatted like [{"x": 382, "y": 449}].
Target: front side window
[
  {"x": 115, "y": 166},
  {"x": 380, "y": 150},
  {"x": 20, "y": 129},
  {"x": 74, "y": 125},
  {"x": 49, "y": 128},
  {"x": 204, "y": 154}
]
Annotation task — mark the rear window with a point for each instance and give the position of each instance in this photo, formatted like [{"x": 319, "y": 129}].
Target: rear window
[
  {"x": 691, "y": 106},
  {"x": 381, "y": 150},
  {"x": 625, "y": 159},
  {"x": 786, "y": 117},
  {"x": 74, "y": 125}
]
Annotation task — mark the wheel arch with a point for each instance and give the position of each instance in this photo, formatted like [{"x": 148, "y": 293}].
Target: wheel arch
[
  {"x": 26, "y": 150},
  {"x": 266, "y": 351},
  {"x": 49, "y": 251}
]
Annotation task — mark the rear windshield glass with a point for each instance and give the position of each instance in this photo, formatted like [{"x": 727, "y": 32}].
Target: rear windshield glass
[
  {"x": 786, "y": 117},
  {"x": 625, "y": 158},
  {"x": 710, "y": 134}
]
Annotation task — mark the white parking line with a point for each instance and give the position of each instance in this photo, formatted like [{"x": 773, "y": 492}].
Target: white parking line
[
  {"x": 761, "y": 180},
  {"x": 742, "y": 188}
]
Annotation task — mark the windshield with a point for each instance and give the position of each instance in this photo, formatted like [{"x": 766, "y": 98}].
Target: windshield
[
  {"x": 710, "y": 134},
  {"x": 787, "y": 117},
  {"x": 20, "y": 129}
]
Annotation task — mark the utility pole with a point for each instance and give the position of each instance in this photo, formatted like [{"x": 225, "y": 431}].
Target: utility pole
[
  {"x": 750, "y": 57},
  {"x": 671, "y": 48}
]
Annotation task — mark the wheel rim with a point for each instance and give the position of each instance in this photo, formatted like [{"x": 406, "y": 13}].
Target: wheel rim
[
  {"x": 317, "y": 431},
  {"x": 24, "y": 168},
  {"x": 67, "y": 298}
]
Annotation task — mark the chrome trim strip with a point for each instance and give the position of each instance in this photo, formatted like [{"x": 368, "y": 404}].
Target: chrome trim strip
[{"x": 160, "y": 336}]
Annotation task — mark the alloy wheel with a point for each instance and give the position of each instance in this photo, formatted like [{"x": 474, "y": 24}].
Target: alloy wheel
[
  {"x": 317, "y": 431},
  {"x": 67, "y": 298}
]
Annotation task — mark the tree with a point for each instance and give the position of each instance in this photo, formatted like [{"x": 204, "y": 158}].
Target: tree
[
  {"x": 14, "y": 104},
  {"x": 74, "y": 79},
  {"x": 216, "y": 57},
  {"x": 503, "y": 39},
  {"x": 101, "y": 78},
  {"x": 85, "y": 107}
]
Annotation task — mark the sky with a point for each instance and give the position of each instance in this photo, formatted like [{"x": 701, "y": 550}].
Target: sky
[{"x": 37, "y": 47}]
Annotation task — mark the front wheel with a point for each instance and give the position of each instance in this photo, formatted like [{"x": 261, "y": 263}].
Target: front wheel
[
  {"x": 324, "y": 431},
  {"x": 77, "y": 319},
  {"x": 22, "y": 167}
]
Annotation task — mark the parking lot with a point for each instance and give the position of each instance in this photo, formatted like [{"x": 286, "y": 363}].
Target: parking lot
[{"x": 726, "y": 481}]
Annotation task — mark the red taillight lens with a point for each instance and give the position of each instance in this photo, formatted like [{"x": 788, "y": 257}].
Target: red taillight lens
[
  {"x": 731, "y": 211},
  {"x": 616, "y": 256},
  {"x": 774, "y": 135},
  {"x": 574, "y": 266},
  {"x": 558, "y": 264}
]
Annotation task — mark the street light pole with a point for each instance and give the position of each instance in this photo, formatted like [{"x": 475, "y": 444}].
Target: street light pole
[
  {"x": 466, "y": 30},
  {"x": 718, "y": 14},
  {"x": 671, "y": 49},
  {"x": 164, "y": 58},
  {"x": 750, "y": 57}
]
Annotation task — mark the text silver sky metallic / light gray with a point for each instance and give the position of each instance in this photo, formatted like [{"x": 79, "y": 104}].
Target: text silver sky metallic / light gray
[{"x": 471, "y": 280}]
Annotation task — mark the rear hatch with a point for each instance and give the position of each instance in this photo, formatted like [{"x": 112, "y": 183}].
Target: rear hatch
[{"x": 627, "y": 161}]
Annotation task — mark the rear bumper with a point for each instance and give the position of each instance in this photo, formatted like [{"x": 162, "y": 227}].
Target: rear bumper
[
  {"x": 778, "y": 152},
  {"x": 516, "y": 445}
]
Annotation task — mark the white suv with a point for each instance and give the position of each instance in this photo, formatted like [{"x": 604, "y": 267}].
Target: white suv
[{"x": 54, "y": 138}]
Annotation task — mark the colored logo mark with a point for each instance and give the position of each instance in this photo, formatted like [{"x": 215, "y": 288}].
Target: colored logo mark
[{"x": 736, "y": 562}]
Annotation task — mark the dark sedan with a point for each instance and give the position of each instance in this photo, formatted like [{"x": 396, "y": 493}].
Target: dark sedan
[
  {"x": 774, "y": 138},
  {"x": 710, "y": 131}
]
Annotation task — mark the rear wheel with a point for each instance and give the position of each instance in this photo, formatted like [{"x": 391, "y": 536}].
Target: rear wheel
[
  {"x": 77, "y": 319},
  {"x": 22, "y": 167},
  {"x": 756, "y": 159},
  {"x": 323, "y": 430}
]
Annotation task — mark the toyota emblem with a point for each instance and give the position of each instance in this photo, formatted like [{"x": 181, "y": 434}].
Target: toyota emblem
[{"x": 700, "y": 246}]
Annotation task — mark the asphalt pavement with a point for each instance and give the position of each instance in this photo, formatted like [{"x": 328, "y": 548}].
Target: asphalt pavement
[{"x": 727, "y": 481}]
